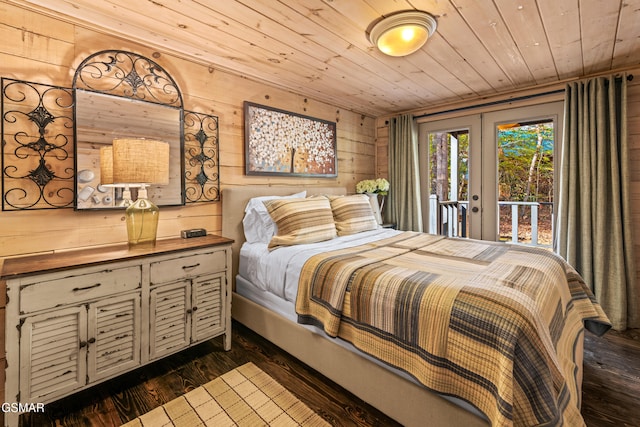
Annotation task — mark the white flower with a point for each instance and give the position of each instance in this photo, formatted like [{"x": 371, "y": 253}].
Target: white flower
[{"x": 380, "y": 186}]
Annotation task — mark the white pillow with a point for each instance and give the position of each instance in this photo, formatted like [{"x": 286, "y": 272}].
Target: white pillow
[{"x": 257, "y": 223}]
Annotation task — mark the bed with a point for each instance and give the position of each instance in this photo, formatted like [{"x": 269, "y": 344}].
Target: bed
[{"x": 266, "y": 303}]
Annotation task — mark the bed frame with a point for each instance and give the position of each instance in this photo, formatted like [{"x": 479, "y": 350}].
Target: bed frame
[{"x": 403, "y": 400}]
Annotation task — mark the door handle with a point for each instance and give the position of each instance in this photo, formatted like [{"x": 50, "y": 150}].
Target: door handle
[{"x": 475, "y": 198}]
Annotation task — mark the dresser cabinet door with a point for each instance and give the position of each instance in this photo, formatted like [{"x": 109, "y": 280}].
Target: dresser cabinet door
[
  {"x": 207, "y": 311},
  {"x": 53, "y": 351},
  {"x": 170, "y": 322},
  {"x": 113, "y": 336}
]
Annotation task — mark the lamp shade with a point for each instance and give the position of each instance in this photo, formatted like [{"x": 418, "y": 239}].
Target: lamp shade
[
  {"x": 402, "y": 33},
  {"x": 140, "y": 161}
]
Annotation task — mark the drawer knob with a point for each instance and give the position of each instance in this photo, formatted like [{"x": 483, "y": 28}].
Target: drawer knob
[
  {"x": 92, "y": 340},
  {"x": 86, "y": 287},
  {"x": 187, "y": 267},
  {"x": 83, "y": 344}
]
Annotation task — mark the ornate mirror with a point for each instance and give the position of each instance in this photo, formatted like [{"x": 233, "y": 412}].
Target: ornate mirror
[{"x": 124, "y": 95}]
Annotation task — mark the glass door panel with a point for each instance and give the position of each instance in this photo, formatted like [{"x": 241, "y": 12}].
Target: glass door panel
[
  {"x": 525, "y": 140},
  {"x": 450, "y": 200}
]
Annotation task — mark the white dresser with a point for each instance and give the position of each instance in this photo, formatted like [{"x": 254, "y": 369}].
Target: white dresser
[{"x": 77, "y": 318}]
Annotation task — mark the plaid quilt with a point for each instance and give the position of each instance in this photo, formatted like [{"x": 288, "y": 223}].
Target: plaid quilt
[{"x": 491, "y": 323}]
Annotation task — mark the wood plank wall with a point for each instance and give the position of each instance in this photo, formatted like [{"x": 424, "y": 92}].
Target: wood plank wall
[
  {"x": 42, "y": 49},
  {"x": 633, "y": 115}
]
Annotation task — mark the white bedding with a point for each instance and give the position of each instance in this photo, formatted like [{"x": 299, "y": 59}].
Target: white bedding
[{"x": 278, "y": 271}]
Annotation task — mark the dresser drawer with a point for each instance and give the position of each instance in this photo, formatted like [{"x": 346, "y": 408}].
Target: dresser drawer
[
  {"x": 76, "y": 288},
  {"x": 187, "y": 267}
]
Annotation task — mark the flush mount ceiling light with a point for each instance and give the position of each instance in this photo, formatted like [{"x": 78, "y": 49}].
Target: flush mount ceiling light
[{"x": 402, "y": 33}]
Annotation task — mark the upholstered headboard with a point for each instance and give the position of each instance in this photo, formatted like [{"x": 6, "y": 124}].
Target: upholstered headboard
[{"x": 234, "y": 200}]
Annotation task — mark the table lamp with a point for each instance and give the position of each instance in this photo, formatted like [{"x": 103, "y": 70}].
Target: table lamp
[{"x": 139, "y": 163}]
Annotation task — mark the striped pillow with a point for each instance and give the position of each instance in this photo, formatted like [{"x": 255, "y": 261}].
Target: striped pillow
[
  {"x": 301, "y": 221},
  {"x": 353, "y": 214}
]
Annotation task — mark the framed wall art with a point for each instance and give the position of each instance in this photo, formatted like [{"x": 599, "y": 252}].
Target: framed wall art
[{"x": 282, "y": 143}]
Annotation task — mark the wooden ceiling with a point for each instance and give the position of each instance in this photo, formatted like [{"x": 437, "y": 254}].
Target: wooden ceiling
[{"x": 318, "y": 48}]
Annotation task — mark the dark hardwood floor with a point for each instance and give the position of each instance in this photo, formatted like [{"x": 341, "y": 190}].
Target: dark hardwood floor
[{"x": 611, "y": 384}]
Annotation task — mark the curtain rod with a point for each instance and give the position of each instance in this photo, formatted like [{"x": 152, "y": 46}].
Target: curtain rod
[{"x": 503, "y": 101}]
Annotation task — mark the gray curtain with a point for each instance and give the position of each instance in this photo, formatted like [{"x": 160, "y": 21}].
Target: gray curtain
[
  {"x": 593, "y": 224},
  {"x": 404, "y": 179}
]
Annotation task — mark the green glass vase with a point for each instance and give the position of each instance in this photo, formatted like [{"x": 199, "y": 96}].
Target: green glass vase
[{"x": 142, "y": 222}]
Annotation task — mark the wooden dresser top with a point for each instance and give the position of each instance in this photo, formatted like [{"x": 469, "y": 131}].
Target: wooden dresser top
[{"x": 15, "y": 267}]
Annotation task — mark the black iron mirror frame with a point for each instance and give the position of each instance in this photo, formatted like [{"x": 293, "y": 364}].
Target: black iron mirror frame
[
  {"x": 115, "y": 76},
  {"x": 38, "y": 139}
]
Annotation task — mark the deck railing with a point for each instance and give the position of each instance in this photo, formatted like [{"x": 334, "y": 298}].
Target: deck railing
[{"x": 449, "y": 218}]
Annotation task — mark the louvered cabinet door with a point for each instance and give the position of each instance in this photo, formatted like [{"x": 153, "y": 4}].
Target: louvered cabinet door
[
  {"x": 113, "y": 336},
  {"x": 53, "y": 350},
  {"x": 207, "y": 311},
  {"x": 170, "y": 322}
]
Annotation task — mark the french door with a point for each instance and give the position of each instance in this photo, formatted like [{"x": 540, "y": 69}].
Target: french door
[{"x": 480, "y": 174}]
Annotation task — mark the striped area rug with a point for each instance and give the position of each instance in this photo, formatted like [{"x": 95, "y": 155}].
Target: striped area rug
[{"x": 245, "y": 396}]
